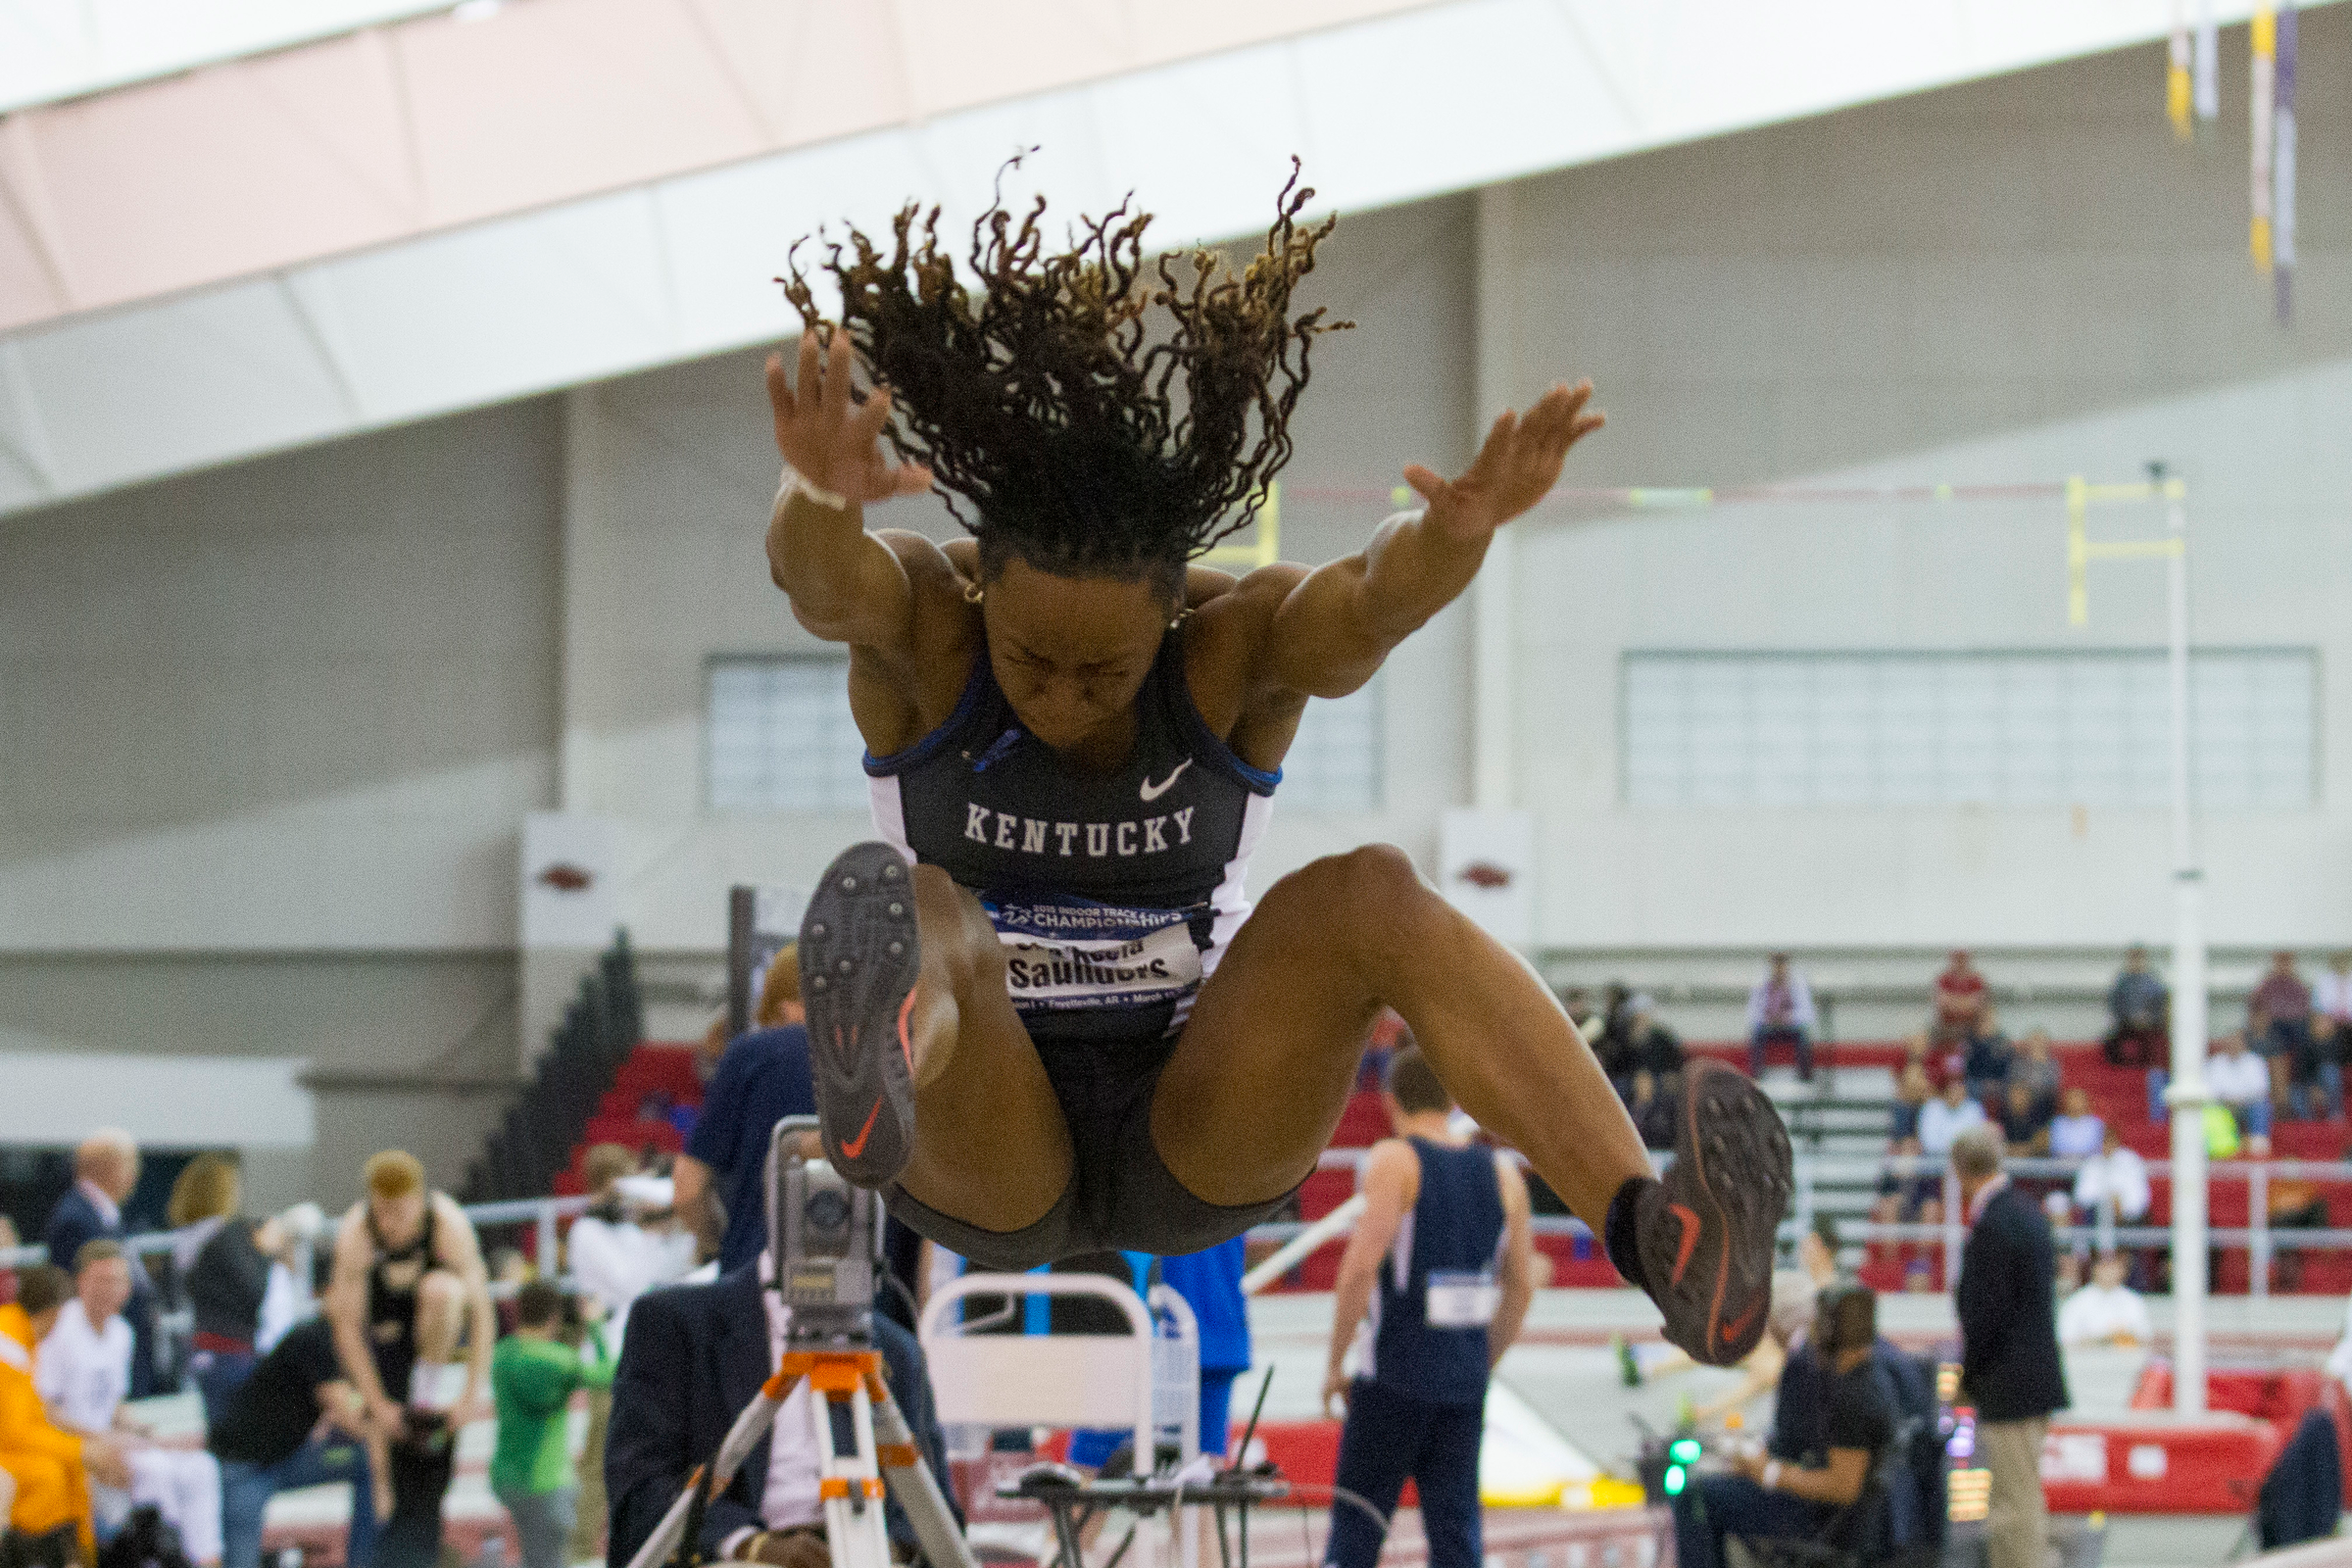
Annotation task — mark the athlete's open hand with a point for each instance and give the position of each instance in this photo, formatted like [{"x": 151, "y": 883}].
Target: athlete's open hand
[
  {"x": 832, "y": 441},
  {"x": 1518, "y": 464}
]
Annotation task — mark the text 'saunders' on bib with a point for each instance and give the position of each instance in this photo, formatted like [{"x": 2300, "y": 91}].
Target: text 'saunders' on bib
[{"x": 1061, "y": 956}]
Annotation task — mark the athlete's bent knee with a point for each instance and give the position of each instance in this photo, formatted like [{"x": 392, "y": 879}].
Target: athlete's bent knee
[
  {"x": 1370, "y": 901},
  {"x": 1358, "y": 877}
]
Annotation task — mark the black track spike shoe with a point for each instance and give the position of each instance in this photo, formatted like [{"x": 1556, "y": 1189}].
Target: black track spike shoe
[
  {"x": 1706, "y": 1230},
  {"x": 859, "y": 957}
]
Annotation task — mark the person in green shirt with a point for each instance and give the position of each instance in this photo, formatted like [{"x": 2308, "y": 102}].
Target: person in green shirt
[{"x": 532, "y": 1374}]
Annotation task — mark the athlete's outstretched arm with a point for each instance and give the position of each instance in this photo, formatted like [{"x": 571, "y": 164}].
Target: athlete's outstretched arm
[
  {"x": 845, "y": 584},
  {"x": 1333, "y": 629}
]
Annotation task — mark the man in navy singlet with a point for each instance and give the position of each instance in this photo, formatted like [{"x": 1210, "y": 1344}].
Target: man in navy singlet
[{"x": 1432, "y": 1290}]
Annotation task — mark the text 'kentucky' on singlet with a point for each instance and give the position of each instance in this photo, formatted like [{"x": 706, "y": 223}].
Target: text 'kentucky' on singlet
[
  {"x": 1114, "y": 896},
  {"x": 1438, "y": 1286}
]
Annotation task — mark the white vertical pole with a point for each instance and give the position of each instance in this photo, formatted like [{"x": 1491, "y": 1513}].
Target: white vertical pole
[
  {"x": 2187, "y": 1095},
  {"x": 1493, "y": 634}
]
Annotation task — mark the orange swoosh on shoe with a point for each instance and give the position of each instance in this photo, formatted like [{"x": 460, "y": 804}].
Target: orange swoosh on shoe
[
  {"x": 906, "y": 1048},
  {"x": 1691, "y": 1229},
  {"x": 1729, "y": 1333},
  {"x": 854, "y": 1147}
]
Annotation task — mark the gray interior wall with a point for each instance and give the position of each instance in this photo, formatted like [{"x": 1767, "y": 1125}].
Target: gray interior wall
[
  {"x": 267, "y": 735},
  {"x": 2017, "y": 279}
]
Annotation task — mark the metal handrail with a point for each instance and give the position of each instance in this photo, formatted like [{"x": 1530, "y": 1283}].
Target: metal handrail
[
  {"x": 2261, "y": 1240},
  {"x": 540, "y": 1212}
]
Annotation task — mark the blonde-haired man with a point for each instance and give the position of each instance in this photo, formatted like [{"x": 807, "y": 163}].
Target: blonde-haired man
[
  {"x": 408, "y": 1292},
  {"x": 83, "y": 1373}
]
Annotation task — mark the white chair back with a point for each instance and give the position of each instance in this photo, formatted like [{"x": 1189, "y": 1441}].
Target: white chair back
[{"x": 1057, "y": 1379}]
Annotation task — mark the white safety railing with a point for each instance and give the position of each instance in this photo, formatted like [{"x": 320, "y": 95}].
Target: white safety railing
[
  {"x": 541, "y": 1214},
  {"x": 2258, "y": 1238}
]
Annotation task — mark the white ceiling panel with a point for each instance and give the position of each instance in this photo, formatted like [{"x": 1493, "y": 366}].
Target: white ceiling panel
[
  {"x": 1416, "y": 103},
  {"x": 54, "y": 49},
  {"x": 137, "y": 392}
]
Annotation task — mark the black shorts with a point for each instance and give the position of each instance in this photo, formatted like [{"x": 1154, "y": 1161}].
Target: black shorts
[{"x": 1121, "y": 1196}]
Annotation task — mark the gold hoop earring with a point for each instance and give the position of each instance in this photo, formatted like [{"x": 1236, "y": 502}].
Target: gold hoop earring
[
  {"x": 1182, "y": 615},
  {"x": 972, "y": 593}
]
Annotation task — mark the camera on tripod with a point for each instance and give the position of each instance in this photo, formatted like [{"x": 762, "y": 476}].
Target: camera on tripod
[{"x": 826, "y": 1236}]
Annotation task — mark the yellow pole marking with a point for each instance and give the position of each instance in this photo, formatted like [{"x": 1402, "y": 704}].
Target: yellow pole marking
[
  {"x": 1264, "y": 548},
  {"x": 2077, "y": 551},
  {"x": 2080, "y": 551}
]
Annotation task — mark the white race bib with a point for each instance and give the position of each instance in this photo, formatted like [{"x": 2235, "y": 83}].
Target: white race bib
[
  {"x": 1458, "y": 1301},
  {"x": 1060, "y": 956}
]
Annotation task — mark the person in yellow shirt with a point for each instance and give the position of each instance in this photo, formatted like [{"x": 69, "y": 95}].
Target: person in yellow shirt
[{"x": 51, "y": 1468}]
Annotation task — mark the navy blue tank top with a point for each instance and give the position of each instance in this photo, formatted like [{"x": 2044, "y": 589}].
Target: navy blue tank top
[
  {"x": 1438, "y": 1286},
  {"x": 1114, "y": 896}
]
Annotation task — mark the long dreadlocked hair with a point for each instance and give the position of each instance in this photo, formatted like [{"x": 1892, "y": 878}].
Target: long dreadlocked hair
[{"x": 1042, "y": 400}]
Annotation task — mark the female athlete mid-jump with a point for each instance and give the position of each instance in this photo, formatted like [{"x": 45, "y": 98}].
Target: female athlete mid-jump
[{"x": 1043, "y": 1018}]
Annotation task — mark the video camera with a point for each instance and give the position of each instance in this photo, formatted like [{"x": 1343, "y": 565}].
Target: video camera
[{"x": 825, "y": 1237}]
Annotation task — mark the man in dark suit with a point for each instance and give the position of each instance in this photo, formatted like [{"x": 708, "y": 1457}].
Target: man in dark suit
[
  {"x": 694, "y": 1356},
  {"x": 106, "y": 1170},
  {"x": 2009, "y": 1367}
]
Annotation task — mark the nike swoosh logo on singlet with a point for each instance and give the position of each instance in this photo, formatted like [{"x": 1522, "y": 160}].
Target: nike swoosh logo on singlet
[{"x": 1152, "y": 791}]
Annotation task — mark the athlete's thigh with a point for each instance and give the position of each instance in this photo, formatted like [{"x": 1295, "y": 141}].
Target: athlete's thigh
[
  {"x": 1256, "y": 1085},
  {"x": 991, "y": 1148}
]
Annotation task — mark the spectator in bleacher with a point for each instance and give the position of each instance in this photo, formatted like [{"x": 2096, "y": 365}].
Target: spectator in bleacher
[
  {"x": 1912, "y": 1092},
  {"x": 49, "y": 1515},
  {"x": 83, "y": 1373},
  {"x": 616, "y": 1253},
  {"x": 106, "y": 1171},
  {"x": 2331, "y": 995},
  {"x": 1986, "y": 1059},
  {"x": 1947, "y": 1117},
  {"x": 1908, "y": 1196},
  {"x": 1652, "y": 1112},
  {"x": 2024, "y": 1122},
  {"x": 2105, "y": 1311},
  {"x": 532, "y": 1375},
  {"x": 2075, "y": 1133},
  {"x": 2037, "y": 1069},
  {"x": 2117, "y": 1174},
  {"x": 2332, "y": 1027},
  {"x": 1961, "y": 1000},
  {"x": 1656, "y": 1048},
  {"x": 2238, "y": 1078},
  {"x": 626, "y": 1242},
  {"x": 763, "y": 1078},
  {"x": 9, "y": 1242},
  {"x": 2137, "y": 1014},
  {"x": 1779, "y": 1012},
  {"x": 1613, "y": 1042},
  {"x": 2278, "y": 1029},
  {"x": 407, "y": 1296},
  {"x": 296, "y": 1422},
  {"x": 1817, "y": 1250},
  {"x": 224, "y": 1263}
]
